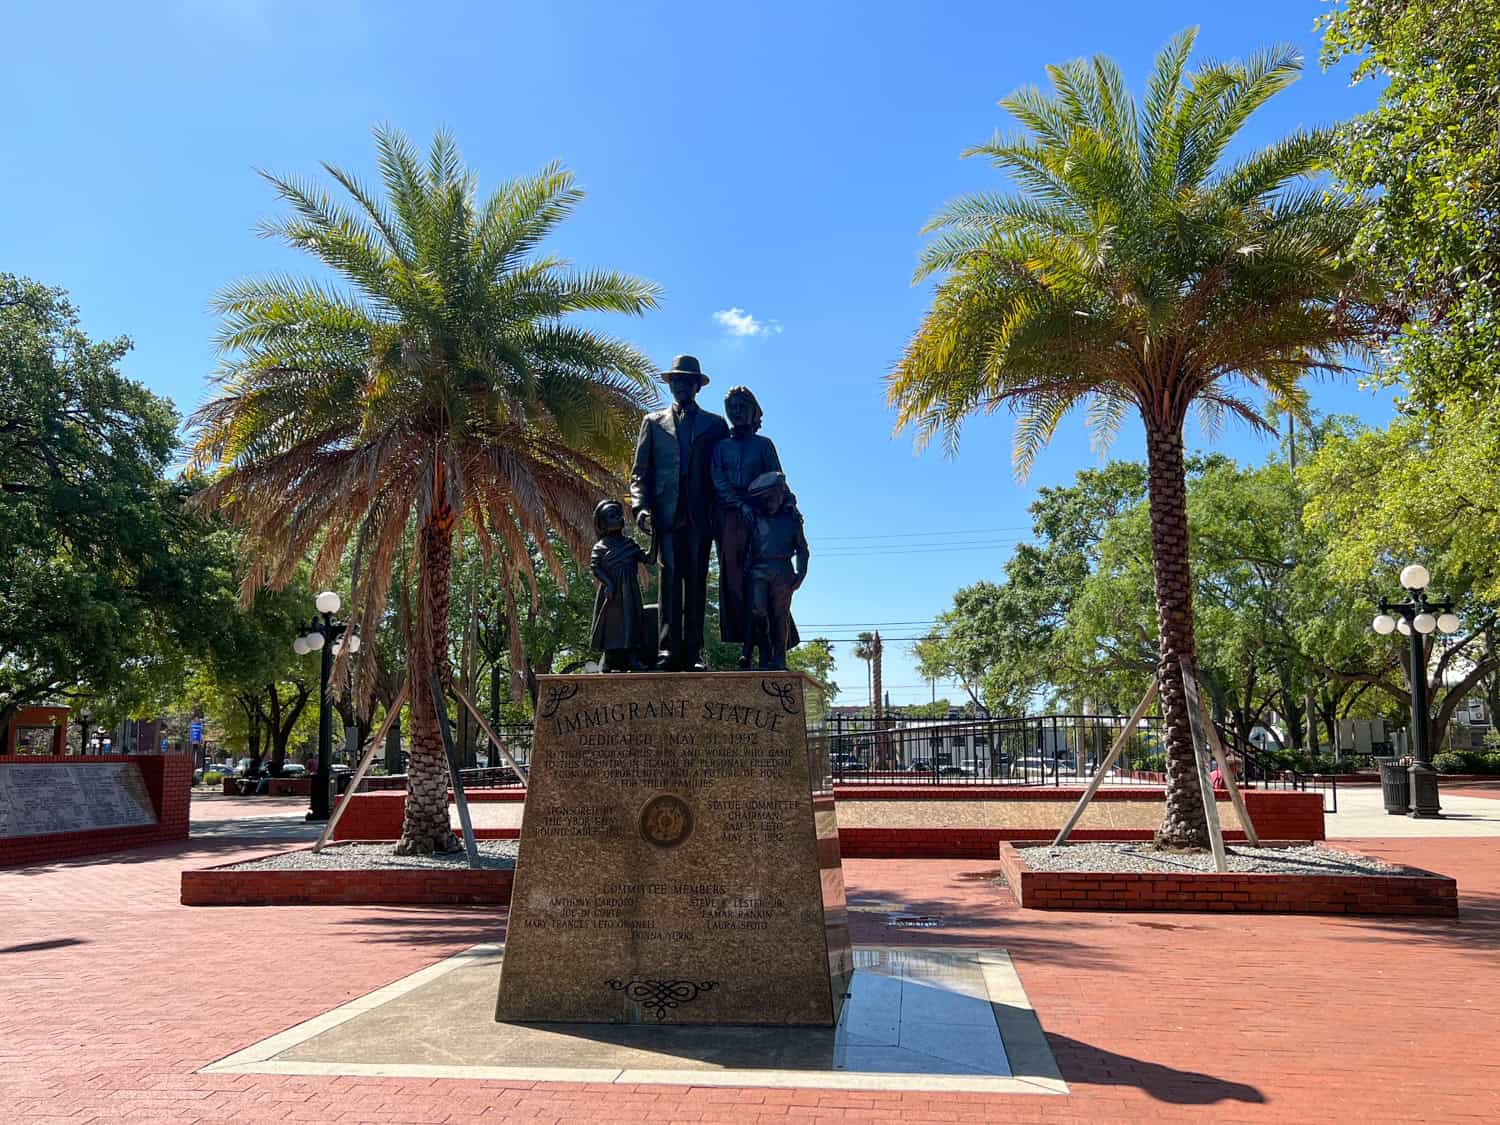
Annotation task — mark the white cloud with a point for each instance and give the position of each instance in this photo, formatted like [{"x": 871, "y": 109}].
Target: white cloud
[{"x": 737, "y": 322}]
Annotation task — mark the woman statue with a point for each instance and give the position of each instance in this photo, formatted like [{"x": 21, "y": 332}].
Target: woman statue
[{"x": 738, "y": 460}]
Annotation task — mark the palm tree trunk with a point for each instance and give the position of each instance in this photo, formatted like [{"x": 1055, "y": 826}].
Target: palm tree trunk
[
  {"x": 425, "y": 828},
  {"x": 1184, "y": 825}
]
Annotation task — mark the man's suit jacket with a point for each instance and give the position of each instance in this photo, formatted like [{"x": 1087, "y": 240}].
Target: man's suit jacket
[{"x": 656, "y": 481}]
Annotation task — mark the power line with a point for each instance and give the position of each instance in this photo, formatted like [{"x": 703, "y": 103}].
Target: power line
[
  {"x": 864, "y": 624},
  {"x": 873, "y": 551},
  {"x": 925, "y": 534}
]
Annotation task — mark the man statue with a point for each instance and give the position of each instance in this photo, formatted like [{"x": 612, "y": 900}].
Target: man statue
[{"x": 672, "y": 497}]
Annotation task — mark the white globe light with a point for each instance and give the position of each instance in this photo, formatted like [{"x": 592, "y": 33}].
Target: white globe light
[
  {"x": 314, "y": 642},
  {"x": 328, "y": 601},
  {"x": 1415, "y": 577},
  {"x": 1424, "y": 623},
  {"x": 299, "y": 646},
  {"x": 353, "y": 642},
  {"x": 1447, "y": 623},
  {"x": 1403, "y": 627},
  {"x": 1385, "y": 624},
  {"x": 338, "y": 647}
]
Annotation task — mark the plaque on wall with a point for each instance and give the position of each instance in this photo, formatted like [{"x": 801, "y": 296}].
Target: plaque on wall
[{"x": 38, "y": 799}]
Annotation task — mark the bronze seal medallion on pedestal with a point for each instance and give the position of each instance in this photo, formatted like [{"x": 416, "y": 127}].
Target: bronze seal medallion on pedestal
[{"x": 666, "y": 821}]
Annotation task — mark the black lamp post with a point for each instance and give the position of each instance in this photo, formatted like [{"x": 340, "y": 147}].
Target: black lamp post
[
  {"x": 324, "y": 635},
  {"x": 1416, "y": 618}
]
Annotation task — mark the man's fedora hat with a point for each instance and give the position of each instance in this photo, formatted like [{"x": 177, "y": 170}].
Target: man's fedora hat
[{"x": 685, "y": 365}]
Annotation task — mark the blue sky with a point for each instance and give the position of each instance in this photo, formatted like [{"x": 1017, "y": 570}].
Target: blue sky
[{"x": 772, "y": 163}]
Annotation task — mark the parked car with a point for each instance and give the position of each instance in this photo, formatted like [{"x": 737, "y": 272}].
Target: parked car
[
  {"x": 293, "y": 769},
  {"x": 922, "y": 765},
  {"x": 955, "y": 771},
  {"x": 853, "y": 765}
]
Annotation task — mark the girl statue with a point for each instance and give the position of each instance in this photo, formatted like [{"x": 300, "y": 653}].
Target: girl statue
[
  {"x": 619, "y": 624},
  {"x": 738, "y": 460}
]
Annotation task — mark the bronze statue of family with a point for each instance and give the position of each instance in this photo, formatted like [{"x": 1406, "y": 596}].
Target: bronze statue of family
[{"x": 699, "y": 482}]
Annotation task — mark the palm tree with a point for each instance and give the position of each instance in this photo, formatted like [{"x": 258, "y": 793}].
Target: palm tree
[
  {"x": 436, "y": 379},
  {"x": 1136, "y": 266},
  {"x": 864, "y": 649}
]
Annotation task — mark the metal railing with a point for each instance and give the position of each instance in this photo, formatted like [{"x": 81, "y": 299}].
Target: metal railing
[
  {"x": 1055, "y": 750},
  {"x": 1021, "y": 750},
  {"x": 517, "y": 738},
  {"x": 1260, "y": 771}
]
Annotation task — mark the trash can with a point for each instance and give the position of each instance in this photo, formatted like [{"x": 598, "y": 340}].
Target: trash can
[{"x": 1395, "y": 786}]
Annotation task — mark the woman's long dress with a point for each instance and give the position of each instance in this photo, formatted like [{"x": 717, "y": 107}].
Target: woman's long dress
[
  {"x": 737, "y": 461},
  {"x": 618, "y": 622}
]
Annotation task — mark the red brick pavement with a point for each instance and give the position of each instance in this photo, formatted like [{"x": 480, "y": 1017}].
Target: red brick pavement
[
  {"x": 216, "y": 806},
  {"x": 111, "y": 996},
  {"x": 1490, "y": 789}
]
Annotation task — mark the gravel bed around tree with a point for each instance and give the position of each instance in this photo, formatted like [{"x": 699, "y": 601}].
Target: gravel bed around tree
[
  {"x": 1143, "y": 859},
  {"x": 494, "y": 855}
]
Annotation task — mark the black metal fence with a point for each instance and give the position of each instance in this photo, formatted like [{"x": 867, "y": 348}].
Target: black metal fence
[
  {"x": 494, "y": 774},
  {"x": 1261, "y": 771},
  {"x": 1027, "y": 750},
  {"x": 1056, "y": 750}
]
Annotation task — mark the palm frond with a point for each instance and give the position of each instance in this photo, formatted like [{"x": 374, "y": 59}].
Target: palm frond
[
  {"x": 1134, "y": 265},
  {"x": 442, "y": 374}
]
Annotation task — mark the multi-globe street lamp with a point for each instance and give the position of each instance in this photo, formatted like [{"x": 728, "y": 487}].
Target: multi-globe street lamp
[
  {"x": 324, "y": 635},
  {"x": 1417, "y": 618}
]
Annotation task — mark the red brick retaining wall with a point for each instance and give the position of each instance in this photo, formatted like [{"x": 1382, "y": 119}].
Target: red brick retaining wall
[
  {"x": 278, "y": 787},
  {"x": 966, "y": 843},
  {"x": 1421, "y": 892},
  {"x": 169, "y": 780},
  {"x": 1278, "y": 815},
  {"x": 221, "y": 886}
]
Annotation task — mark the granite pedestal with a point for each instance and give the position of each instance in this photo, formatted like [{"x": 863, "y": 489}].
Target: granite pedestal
[{"x": 679, "y": 857}]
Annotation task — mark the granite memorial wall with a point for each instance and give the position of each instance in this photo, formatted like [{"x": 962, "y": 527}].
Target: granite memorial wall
[{"x": 39, "y": 799}]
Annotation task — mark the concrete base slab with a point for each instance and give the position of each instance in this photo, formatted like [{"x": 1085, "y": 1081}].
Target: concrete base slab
[{"x": 916, "y": 1019}]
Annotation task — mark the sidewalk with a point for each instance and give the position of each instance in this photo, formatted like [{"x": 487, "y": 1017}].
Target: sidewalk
[
  {"x": 1467, "y": 812},
  {"x": 112, "y": 996}
]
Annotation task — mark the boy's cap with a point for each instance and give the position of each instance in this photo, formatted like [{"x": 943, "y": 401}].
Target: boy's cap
[{"x": 765, "y": 482}]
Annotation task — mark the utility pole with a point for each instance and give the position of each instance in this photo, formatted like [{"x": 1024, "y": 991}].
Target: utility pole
[
  {"x": 882, "y": 743},
  {"x": 1309, "y": 701}
]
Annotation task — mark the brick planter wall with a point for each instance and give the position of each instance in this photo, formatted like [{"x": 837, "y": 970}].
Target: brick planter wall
[
  {"x": 169, "y": 780},
  {"x": 221, "y": 886},
  {"x": 1421, "y": 892}
]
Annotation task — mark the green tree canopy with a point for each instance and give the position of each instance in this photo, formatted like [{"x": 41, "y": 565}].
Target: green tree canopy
[
  {"x": 1430, "y": 154},
  {"x": 105, "y": 583}
]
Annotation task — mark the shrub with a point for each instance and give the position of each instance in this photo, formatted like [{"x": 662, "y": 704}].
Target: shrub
[
  {"x": 1491, "y": 763},
  {"x": 1473, "y": 760},
  {"x": 1448, "y": 763},
  {"x": 1149, "y": 763},
  {"x": 213, "y": 777}
]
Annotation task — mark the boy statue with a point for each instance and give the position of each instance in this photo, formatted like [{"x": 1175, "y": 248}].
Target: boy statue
[
  {"x": 778, "y": 567},
  {"x": 619, "y": 624}
]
